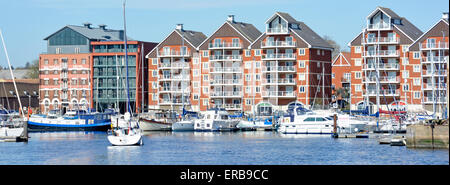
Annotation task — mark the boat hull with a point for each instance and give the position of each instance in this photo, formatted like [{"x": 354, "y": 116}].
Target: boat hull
[
  {"x": 40, "y": 127},
  {"x": 11, "y": 132},
  {"x": 183, "y": 126},
  {"x": 216, "y": 125},
  {"x": 127, "y": 140},
  {"x": 150, "y": 125}
]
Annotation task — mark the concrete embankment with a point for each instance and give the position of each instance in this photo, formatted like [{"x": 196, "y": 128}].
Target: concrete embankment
[{"x": 425, "y": 136}]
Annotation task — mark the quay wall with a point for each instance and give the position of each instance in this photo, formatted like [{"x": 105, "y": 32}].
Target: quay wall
[{"x": 420, "y": 136}]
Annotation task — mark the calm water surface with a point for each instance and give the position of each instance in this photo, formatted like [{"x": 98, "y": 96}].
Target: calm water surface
[{"x": 250, "y": 148}]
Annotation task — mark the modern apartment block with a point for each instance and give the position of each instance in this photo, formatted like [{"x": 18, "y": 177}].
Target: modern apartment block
[
  {"x": 66, "y": 69},
  {"x": 241, "y": 69},
  {"x": 173, "y": 67},
  {"x": 430, "y": 53},
  {"x": 381, "y": 49},
  {"x": 343, "y": 68}
]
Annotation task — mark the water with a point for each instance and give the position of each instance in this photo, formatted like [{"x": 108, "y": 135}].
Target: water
[{"x": 246, "y": 148}]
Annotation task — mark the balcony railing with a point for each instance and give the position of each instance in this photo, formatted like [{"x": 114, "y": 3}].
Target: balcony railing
[
  {"x": 225, "y": 57},
  {"x": 382, "y": 66},
  {"x": 345, "y": 80},
  {"x": 226, "y": 94},
  {"x": 434, "y": 59},
  {"x": 382, "y": 53},
  {"x": 230, "y": 106},
  {"x": 279, "y": 56},
  {"x": 288, "y": 94},
  {"x": 175, "y": 77},
  {"x": 226, "y": 69},
  {"x": 436, "y": 86},
  {"x": 174, "y": 65},
  {"x": 385, "y": 92},
  {"x": 178, "y": 101},
  {"x": 430, "y": 45},
  {"x": 436, "y": 73},
  {"x": 173, "y": 54},
  {"x": 383, "y": 79},
  {"x": 280, "y": 81},
  {"x": 267, "y": 44},
  {"x": 278, "y": 30},
  {"x": 225, "y": 45},
  {"x": 381, "y": 40},
  {"x": 279, "y": 69},
  {"x": 431, "y": 100},
  {"x": 379, "y": 26},
  {"x": 226, "y": 82},
  {"x": 174, "y": 90}
]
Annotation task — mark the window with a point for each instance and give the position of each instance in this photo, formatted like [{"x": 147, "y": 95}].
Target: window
[
  {"x": 55, "y": 61},
  {"x": 83, "y": 61},
  {"x": 248, "y": 65},
  {"x": 358, "y": 75},
  {"x": 301, "y": 76},
  {"x": 358, "y": 87},
  {"x": 155, "y": 85},
  {"x": 301, "y": 89},
  {"x": 348, "y": 76},
  {"x": 405, "y": 60},
  {"x": 416, "y": 68},
  {"x": 205, "y": 78},
  {"x": 205, "y": 65},
  {"x": 257, "y": 64},
  {"x": 248, "y": 101},
  {"x": 301, "y": 51},
  {"x": 247, "y": 77},
  {"x": 257, "y": 89},
  {"x": 74, "y": 61},
  {"x": 155, "y": 61},
  {"x": 248, "y": 53},
  {"x": 195, "y": 85},
  {"x": 405, "y": 74},
  {"x": 405, "y": 87},
  {"x": 205, "y": 102},
  {"x": 257, "y": 77},
  {"x": 257, "y": 52},
  {"x": 323, "y": 52},
  {"x": 247, "y": 90},
  {"x": 196, "y": 96},
  {"x": 357, "y": 49},
  {"x": 333, "y": 75},
  {"x": 318, "y": 64},
  {"x": 416, "y": 94},
  {"x": 318, "y": 52},
  {"x": 357, "y": 62},
  {"x": 416, "y": 55},
  {"x": 205, "y": 54},
  {"x": 416, "y": 81},
  {"x": 195, "y": 72},
  {"x": 301, "y": 64},
  {"x": 405, "y": 48},
  {"x": 205, "y": 90},
  {"x": 154, "y": 73}
]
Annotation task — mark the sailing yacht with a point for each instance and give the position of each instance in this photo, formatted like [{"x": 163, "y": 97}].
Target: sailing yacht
[
  {"x": 125, "y": 128},
  {"x": 14, "y": 126}
]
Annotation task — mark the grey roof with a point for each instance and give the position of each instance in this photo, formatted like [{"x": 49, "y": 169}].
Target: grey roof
[
  {"x": 195, "y": 38},
  {"x": 95, "y": 33},
  {"x": 409, "y": 29},
  {"x": 18, "y": 73},
  {"x": 247, "y": 30},
  {"x": 310, "y": 37},
  {"x": 287, "y": 17},
  {"x": 391, "y": 13}
]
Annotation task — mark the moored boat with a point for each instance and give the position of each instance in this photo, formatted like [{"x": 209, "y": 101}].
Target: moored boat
[
  {"x": 159, "y": 120},
  {"x": 215, "y": 119}
]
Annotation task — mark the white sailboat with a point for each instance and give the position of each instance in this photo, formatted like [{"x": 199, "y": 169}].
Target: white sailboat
[
  {"x": 15, "y": 126},
  {"x": 125, "y": 128}
]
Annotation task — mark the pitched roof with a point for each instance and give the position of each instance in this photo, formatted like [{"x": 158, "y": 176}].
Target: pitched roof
[
  {"x": 193, "y": 37},
  {"x": 310, "y": 37},
  {"x": 95, "y": 33},
  {"x": 249, "y": 31},
  {"x": 345, "y": 55},
  {"x": 435, "y": 30}
]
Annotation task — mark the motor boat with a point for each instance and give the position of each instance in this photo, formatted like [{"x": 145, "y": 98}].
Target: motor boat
[{"x": 216, "y": 119}]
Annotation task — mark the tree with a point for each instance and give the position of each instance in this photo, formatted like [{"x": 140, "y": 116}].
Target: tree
[
  {"x": 33, "y": 69},
  {"x": 336, "y": 46},
  {"x": 342, "y": 93}
]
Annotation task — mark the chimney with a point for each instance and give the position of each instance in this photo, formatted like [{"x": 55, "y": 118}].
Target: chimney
[
  {"x": 179, "y": 27},
  {"x": 102, "y": 26},
  {"x": 87, "y": 25},
  {"x": 230, "y": 18},
  {"x": 445, "y": 15}
]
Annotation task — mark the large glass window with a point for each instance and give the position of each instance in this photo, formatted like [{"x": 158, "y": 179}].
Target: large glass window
[{"x": 67, "y": 37}]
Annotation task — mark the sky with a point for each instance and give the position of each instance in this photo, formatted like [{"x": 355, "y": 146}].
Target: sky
[{"x": 25, "y": 23}]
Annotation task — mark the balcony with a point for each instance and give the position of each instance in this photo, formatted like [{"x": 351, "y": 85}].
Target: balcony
[
  {"x": 277, "y": 31},
  {"x": 179, "y": 77},
  {"x": 280, "y": 81},
  {"x": 382, "y": 66},
  {"x": 225, "y": 45},
  {"x": 226, "y": 82},
  {"x": 435, "y": 59},
  {"x": 173, "y": 54},
  {"x": 383, "y": 79},
  {"x": 379, "y": 26},
  {"x": 226, "y": 69},
  {"x": 175, "y": 101},
  {"x": 273, "y": 44},
  {"x": 279, "y": 56},
  {"x": 345, "y": 80},
  {"x": 381, "y": 40},
  {"x": 373, "y": 92},
  {"x": 431, "y": 100},
  {"x": 279, "y": 94},
  {"x": 226, "y": 94},
  {"x": 429, "y": 87},
  {"x": 186, "y": 90},
  {"x": 287, "y": 69},
  {"x": 175, "y": 65},
  {"x": 431, "y": 46},
  {"x": 381, "y": 53},
  {"x": 225, "y": 58},
  {"x": 429, "y": 73},
  {"x": 230, "y": 106}
]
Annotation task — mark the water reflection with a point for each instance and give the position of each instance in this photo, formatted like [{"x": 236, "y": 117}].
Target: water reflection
[
  {"x": 305, "y": 135},
  {"x": 123, "y": 154}
]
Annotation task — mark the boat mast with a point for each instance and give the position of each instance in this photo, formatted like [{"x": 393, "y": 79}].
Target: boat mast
[
  {"x": 126, "y": 57},
  {"x": 12, "y": 75},
  {"x": 142, "y": 75},
  {"x": 117, "y": 84}
]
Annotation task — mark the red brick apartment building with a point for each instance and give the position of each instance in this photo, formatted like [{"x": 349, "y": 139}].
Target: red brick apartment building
[
  {"x": 239, "y": 68},
  {"x": 392, "y": 50}
]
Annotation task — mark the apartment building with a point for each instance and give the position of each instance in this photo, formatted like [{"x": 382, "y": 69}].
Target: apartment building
[
  {"x": 381, "y": 49},
  {"x": 342, "y": 70},
  {"x": 109, "y": 74},
  {"x": 226, "y": 78},
  {"x": 174, "y": 64},
  {"x": 295, "y": 65},
  {"x": 67, "y": 68},
  {"x": 430, "y": 54}
]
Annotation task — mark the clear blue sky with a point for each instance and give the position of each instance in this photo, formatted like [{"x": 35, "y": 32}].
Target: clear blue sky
[{"x": 25, "y": 23}]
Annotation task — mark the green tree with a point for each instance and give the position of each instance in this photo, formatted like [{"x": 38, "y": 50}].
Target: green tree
[
  {"x": 33, "y": 70},
  {"x": 334, "y": 44}
]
